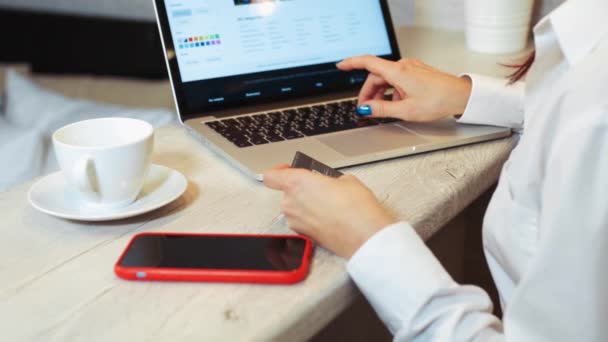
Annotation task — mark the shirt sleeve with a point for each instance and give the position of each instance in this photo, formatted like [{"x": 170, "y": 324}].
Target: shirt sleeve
[
  {"x": 494, "y": 102},
  {"x": 414, "y": 295},
  {"x": 562, "y": 295}
]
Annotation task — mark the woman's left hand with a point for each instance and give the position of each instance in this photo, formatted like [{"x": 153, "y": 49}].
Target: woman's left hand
[{"x": 339, "y": 214}]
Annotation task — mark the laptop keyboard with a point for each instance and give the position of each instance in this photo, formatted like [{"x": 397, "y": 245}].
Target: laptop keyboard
[{"x": 290, "y": 124}]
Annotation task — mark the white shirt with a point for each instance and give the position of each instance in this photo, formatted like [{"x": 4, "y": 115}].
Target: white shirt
[{"x": 545, "y": 233}]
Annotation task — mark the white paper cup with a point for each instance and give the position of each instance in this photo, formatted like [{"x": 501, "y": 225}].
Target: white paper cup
[
  {"x": 105, "y": 160},
  {"x": 497, "y": 26}
]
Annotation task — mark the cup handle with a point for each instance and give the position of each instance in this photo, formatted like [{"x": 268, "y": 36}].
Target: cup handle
[{"x": 83, "y": 174}]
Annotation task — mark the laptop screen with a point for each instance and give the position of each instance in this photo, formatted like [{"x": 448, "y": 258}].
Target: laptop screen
[{"x": 238, "y": 52}]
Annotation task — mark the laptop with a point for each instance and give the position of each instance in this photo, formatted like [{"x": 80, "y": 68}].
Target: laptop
[{"x": 256, "y": 81}]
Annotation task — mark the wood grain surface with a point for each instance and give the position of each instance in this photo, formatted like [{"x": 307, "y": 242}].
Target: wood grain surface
[{"x": 57, "y": 281}]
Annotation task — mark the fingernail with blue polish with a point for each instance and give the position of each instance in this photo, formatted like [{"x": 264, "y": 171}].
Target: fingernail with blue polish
[{"x": 364, "y": 110}]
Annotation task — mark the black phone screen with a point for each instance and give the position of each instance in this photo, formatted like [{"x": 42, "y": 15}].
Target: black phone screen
[{"x": 215, "y": 252}]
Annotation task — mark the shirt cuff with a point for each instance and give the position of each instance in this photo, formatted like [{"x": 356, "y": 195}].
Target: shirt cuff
[
  {"x": 397, "y": 273},
  {"x": 493, "y": 102}
]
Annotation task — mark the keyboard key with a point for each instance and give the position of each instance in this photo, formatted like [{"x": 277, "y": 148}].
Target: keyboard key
[
  {"x": 214, "y": 124},
  {"x": 258, "y": 140},
  {"x": 274, "y": 138},
  {"x": 245, "y": 120},
  {"x": 242, "y": 143},
  {"x": 230, "y": 122},
  {"x": 260, "y": 118},
  {"x": 292, "y": 135},
  {"x": 293, "y": 123}
]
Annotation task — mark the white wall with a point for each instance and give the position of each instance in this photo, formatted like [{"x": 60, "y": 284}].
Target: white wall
[{"x": 446, "y": 14}]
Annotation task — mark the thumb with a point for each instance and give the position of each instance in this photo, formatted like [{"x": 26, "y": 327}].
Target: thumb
[
  {"x": 280, "y": 167},
  {"x": 386, "y": 109}
]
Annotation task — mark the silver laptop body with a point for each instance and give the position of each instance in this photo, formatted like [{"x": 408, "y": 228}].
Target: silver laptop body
[{"x": 320, "y": 81}]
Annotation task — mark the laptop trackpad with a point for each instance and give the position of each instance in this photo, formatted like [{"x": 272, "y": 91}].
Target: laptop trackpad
[{"x": 372, "y": 140}]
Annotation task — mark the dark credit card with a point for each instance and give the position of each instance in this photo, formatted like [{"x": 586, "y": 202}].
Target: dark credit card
[{"x": 302, "y": 161}]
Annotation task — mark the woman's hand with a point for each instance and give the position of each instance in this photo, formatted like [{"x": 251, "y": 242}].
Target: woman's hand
[
  {"x": 339, "y": 214},
  {"x": 422, "y": 93}
]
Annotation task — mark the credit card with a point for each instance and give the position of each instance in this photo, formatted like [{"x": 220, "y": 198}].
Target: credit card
[{"x": 302, "y": 161}]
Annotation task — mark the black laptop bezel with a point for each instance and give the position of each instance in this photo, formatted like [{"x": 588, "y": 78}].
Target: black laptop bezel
[{"x": 177, "y": 83}]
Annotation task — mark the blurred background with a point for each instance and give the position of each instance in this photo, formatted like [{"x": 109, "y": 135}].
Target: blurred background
[
  {"x": 63, "y": 61},
  {"x": 119, "y": 37}
]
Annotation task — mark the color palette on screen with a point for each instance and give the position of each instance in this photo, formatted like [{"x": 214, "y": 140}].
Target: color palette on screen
[{"x": 199, "y": 41}]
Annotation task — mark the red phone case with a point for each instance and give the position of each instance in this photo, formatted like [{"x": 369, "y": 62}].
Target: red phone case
[{"x": 216, "y": 275}]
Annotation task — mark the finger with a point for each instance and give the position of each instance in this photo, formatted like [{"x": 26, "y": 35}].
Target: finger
[
  {"x": 390, "y": 109},
  {"x": 280, "y": 167},
  {"x": 347, "y": 177},
  {"x": 286, "y": 179},
  {"x": 288, "y": 207},
  {"x": 370, "y": 88},
  {"x": 350, "y": 178},
  {"x": 386, "y": 69},
  {"x": 396, "y": 96},
  {"x": 276, "y": 178},
  {"x": 380, "y": 93},
  {"x": 299, "y": 226},
  {"x": 412, "y": 61}
]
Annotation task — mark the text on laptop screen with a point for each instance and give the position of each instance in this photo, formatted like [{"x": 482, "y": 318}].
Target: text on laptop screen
[{"x": 242, "y": 42}]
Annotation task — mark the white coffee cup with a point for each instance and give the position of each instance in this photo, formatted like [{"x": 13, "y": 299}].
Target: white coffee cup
[
  {"x": 105, "y": 161},
  {"x": 497, "y": 26}
]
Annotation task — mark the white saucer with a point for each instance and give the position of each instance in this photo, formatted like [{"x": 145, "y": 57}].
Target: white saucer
[{"x": 50, "y": 195}]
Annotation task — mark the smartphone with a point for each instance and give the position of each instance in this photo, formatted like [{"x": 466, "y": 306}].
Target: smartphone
[{"x": 272, "y": 259}]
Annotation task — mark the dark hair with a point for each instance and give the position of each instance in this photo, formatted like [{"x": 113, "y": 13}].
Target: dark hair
[{"x": 522, "y": 69}]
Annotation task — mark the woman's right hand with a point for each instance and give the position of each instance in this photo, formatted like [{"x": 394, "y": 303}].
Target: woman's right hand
[{"x": 422, "y": 93}]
